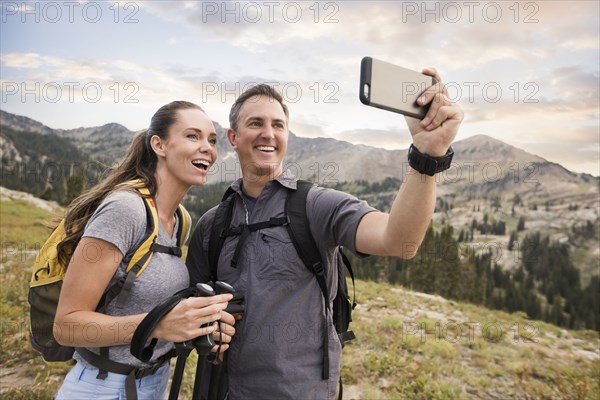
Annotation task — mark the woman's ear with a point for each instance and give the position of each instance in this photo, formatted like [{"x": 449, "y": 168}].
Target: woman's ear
[{"x": 157, "y": 145}]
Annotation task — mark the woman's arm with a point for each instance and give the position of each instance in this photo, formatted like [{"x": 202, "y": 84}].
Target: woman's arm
[{"x": 91, "y": 269}]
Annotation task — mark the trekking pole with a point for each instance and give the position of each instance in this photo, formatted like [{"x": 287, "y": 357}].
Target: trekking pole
[
  {"x": 203, "y": 345},
  {"x": 199, "y": 381},
  {"x": 215, "y": 387},
  {"x": 183, "y": 351},
  {"x": 204, "y": 348},
  {"x": 177, "y": 377}
]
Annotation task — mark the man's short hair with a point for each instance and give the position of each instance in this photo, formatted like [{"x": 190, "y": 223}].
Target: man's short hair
[{"x": 259, "y": 90}]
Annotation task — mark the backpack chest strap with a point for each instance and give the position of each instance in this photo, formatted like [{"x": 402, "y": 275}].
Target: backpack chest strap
[
  {"x": 159, "y": 248},
  {"x": 244, "y": 231},
  {"x": 238, "y": 230}
]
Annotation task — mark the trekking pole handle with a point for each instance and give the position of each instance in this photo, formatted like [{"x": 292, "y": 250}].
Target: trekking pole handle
[
  {"x": 235, "y": 305},
  {"x": 223, "y": 287},
  {"x": 203, "y": 344}
]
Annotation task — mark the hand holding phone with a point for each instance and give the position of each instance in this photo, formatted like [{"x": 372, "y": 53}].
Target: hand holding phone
[{"x": 393, "y": 88}]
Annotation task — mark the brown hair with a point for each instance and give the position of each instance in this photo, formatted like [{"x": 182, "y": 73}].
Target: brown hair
[{"x": 139, "y": 162}]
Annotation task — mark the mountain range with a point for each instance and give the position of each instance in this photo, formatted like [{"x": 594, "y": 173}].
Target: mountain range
[
  {"x": 491, "y": 202},
  {"x": 482, "y": 165}
]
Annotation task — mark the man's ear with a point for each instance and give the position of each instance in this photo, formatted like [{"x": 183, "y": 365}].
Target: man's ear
[
  {"x": 232, "y": 137},
  {"x": 157, "y": 145}
]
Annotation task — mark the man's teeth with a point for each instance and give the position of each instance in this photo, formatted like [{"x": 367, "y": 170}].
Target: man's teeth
[
  {"x": 201, "y": 163},
  {"x": 265, "y": 148}
]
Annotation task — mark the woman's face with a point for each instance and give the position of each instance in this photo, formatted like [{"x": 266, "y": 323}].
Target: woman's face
[{"x": 190, "y": 149}]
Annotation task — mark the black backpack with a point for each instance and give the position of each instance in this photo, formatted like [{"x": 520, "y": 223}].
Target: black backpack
[{"x": 297, "y": 224}]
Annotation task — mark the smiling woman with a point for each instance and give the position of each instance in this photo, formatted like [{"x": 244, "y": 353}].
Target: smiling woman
[
  {"x": 188, "y": 151},
  {"x": 164, "y": 161}
]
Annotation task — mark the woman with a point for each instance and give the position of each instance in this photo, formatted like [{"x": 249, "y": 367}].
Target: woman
[{"x": 106, "y": 225}]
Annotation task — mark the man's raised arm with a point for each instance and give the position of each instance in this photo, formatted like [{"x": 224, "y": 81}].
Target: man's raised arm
[{"x": 401, "y": 232}]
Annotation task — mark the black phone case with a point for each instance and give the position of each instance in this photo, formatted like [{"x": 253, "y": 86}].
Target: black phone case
[{"x": 366, "y": 78}]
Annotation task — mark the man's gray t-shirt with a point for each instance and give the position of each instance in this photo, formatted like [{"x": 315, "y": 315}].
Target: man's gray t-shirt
[
  {"x": 121, "y": 220},
  {"x": 277, "y": 351}
]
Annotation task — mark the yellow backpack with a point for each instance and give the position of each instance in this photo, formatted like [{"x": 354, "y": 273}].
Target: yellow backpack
[{"x": 48, "y": 274}]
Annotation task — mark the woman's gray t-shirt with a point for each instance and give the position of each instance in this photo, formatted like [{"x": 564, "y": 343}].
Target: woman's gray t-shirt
[{"x": 121, "y": 220}]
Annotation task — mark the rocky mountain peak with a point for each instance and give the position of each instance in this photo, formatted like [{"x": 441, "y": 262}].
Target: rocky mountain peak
[{"x": 481, "y": 163}]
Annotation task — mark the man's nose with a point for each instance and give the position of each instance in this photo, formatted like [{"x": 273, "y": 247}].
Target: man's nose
[{"x": 268, "y": 132}]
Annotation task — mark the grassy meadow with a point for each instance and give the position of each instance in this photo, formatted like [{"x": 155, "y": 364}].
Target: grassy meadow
[{"x": 409, "y": 345}]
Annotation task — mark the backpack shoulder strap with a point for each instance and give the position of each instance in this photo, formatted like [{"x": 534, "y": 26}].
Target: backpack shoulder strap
[
  {"x": 221, "y": 222},
  {"x": 299, "y": 227},
  {"x": 185, "y": 224},
  {"x": 346, "y": 262},
  {"x": 342, "y": 305},
  {"x": 306, "y": 247},
  {"x": 141, "y": 257}
]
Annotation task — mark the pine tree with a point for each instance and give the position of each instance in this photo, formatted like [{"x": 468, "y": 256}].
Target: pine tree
[
  {"x": 511, "y": 240},
  {"x": 521, "y": 224},
  {"x": 448, "y": 269},
  {"x": 74, "y": 186}
]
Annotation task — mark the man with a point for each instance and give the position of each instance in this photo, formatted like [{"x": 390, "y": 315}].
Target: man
[{"x": 277, "y": 352}]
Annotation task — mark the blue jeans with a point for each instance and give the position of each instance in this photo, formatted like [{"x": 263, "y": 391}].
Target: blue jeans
[{"x": 81, "y": 383}]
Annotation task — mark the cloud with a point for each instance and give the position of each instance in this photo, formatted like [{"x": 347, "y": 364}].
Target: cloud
[
  {"x": 567, "y": 154},
  {"x": 305, "y": 129},
  {"x": 116, "y": 79},
  {"x": 50, "y": 69},
  {"x": 576, "y": 86},
  {"x": 251, "y": 24},
  {"x": 388, "y": 139},
  {"x": 463, "y": 36},
  {"x": 28, "y": 60},
  {"x": 541, "y": 51},
  {"x": 570, "y": 93},
  {"x": 453, "y": 35},
  {"x": 469, "y": 34}
]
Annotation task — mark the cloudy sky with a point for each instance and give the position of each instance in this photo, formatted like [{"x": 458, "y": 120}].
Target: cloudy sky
[{"x": 524, "y": 72}]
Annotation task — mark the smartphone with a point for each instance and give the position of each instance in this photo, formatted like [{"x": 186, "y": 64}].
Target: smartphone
[{"x": 393, "y": 88}]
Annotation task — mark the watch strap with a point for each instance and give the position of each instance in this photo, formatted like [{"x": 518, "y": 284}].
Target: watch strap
[{"x": 426, "y": 164}]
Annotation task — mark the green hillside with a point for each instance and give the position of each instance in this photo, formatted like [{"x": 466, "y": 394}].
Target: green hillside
[
  {"x": 47, "y": 166},
  {"x": 409, "y": 345}
]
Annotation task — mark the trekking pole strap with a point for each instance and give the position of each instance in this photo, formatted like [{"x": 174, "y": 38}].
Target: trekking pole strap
[{"x": 149, "y": 323}]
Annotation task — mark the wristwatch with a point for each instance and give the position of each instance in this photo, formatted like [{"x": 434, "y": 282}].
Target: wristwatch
[{"x": 425, "y": 164}]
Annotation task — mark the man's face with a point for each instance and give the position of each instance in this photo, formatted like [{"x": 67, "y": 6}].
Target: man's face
[{"x": 261, "y": 138}]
